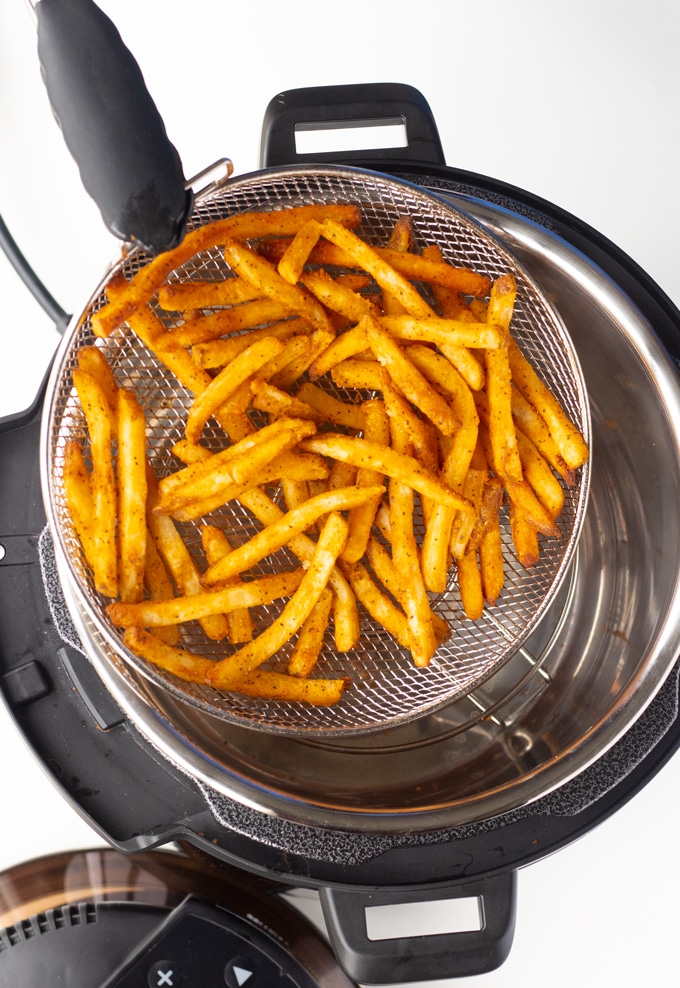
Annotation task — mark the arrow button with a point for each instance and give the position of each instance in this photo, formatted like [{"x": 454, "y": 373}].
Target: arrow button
[
  {"x": 255, "y": 971},
  {"x": 241, "y": 974}
]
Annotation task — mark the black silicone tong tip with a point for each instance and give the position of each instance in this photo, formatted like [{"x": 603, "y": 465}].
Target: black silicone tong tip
[{"x": 111, "y": 125}]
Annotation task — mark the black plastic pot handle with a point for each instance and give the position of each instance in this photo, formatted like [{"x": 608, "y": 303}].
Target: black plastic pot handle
[
  {"x": 111, "y": 125},
  {"x": 330, "y": 107},
  {"x": 422, "y": 958}
]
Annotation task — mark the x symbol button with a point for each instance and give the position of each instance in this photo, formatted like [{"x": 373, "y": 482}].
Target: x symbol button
[{"x": 164, "y": 974}]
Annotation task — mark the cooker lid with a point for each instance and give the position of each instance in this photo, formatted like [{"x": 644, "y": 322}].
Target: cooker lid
[{"x": 94, "y": 918}]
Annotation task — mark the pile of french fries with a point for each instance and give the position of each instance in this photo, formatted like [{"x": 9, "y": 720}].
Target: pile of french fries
[{"x": 372, "y": 412}]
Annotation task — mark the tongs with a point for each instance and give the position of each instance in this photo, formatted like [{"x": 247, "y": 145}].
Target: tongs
[{"x": 111, "y": 125}]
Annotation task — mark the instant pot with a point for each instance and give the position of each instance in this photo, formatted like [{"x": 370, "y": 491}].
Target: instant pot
[{"x": 570, "y": 729}]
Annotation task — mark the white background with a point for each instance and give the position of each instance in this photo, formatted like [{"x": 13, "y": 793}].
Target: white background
[{"x": 578, "y": 103}]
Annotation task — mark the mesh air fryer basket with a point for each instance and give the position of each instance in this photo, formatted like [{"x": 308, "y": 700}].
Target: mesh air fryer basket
[{"x": 387, "y": 690}]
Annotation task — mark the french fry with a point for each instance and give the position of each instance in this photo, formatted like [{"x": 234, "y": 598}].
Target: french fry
[
  {"x": 498, "y": 386},
  {"x": 383, "y": 459},
  {"x": 414, "y": 598},
  {"x": 539, "y": 475},
  {"x": 178, "y": 296},
  {"x": 92, "y": 360},
  {"x": 534, "y": 427},
  {"x": 344, "y": 347},
  {"x": 383, "y": 610},
  {"x": 275, "y": 536},
  {"x": 202, "y": 328},
  {"x": 569, "y": 440},
  {"x": 159, "y": 586},
  {"x": 205, "y": 604},
  {"x": 277, "y": 686},
  {"x": 291, "y": 265},
  {"x": 177, "y": 558},
  {"x": 131, "y": 474},
  {"x": 447, "y": 332},
  {"x": 223, "y": 467},
  {"x": 214, "y": 354},
  {"x": 345, "y": 615},
  {"x": 362, "y": 516},
  {"x": 103, "y": 482},
  {"x": 222, "y": 387},
  {"x": 293, "y": 466},
  {"x": 408, "y": 378},
  {"x": 524, "y": 536},
  {"x": 309, "y": 642},
  {"x": 491, "y": 566},
  {"x": 470, "y": 585},
  {"x": 278, "y": 403},
  {"x": 250, "y": 266},
  {"x": 361, "y": 375},
  {"x": 216, "y": 545},
  {"x": 331, "y": 543},
  {"x": 384, "y": 569},
  {"x": 78, "y": 494},
  {"x": 333, "y": 410},
  {"x": 336, "y": 295},
  {"x": 368, "y": 259}
]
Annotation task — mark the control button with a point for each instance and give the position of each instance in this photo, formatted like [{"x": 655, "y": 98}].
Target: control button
[
  {"x": 256, "y": 971},
  {"x": 164, "y": 974}
]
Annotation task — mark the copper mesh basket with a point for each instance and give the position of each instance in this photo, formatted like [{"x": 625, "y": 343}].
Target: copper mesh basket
[{"x": 387, "y": 689}]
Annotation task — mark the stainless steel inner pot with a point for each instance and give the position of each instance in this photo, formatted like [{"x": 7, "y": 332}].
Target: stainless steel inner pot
[
  {"x": 387, "y": 689},
  {"x": 585, "y": 675}
]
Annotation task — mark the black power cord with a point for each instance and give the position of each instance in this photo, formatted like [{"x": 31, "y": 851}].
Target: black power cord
[{"x": 16, "y": 258}]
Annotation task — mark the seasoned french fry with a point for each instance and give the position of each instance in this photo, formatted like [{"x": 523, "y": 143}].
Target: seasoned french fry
[
  {"x": 131, "y": 474},
  {"x": 306, "y": 651},
  {"x": 78, "y": 494},
  {"x": 214, "y": 354},
  {"x": 408, "y": 378},
  {"x": 362, "y": 375},
  {"x": 92, "y": 360},
  {"x": 491, "y": 565},
  {"x": 178, "y": 296},
  {"x": 292, "y": 263},
  {"x": 328, "y": 548},
  {"x": 383, "y": 459},
  {"x": 524, "y": 536},
  {"x": 534, "y": 427},
  {"x": 251, "y": 267},
  {"x": 498, "y": 386},
  {"x": 277, "y": 403},
  {"x": 447, "y": 332},
  {"x": 345, "y": 615},
  {"x": 470, "y": 585},
  {"x": 216, "y": 545},
  {"x": 378, "y": 604},
  {"x": 382, "y": 271},
  {"x": 362, "y": 516},
  {"x": 222, "y": 387},
  {"x": 568, "y": 438},
  {"x": 200, "y": 328},
  {"x": 177, "y": 558},
  {"x": 159, "y": 586},
  {"x": 333, "y": 410},
  {"x": 260, "y": 683},
  {"x": 278, "y": 534},
  {"x": 205, "y": 604},
  {"x": 103, "y": 482},
  {"x": 336, "y": 295}
]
